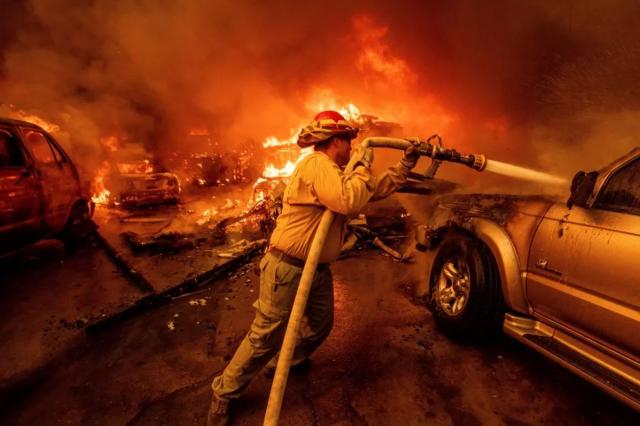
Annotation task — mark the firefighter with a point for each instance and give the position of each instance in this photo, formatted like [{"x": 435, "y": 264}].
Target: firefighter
[{"x": 317, "y": 183}]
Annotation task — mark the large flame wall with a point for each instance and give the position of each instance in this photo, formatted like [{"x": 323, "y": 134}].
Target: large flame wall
[{"x": 523, "y": 81}]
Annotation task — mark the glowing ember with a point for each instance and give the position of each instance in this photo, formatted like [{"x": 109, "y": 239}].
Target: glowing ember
[
  {"x": 148, "y": 167},
  {"x": 206, "y": 216},
  {"x": 199, "y": 132},
  {"x": 229, "y": 205},
  {"x": 258, "y": 194}
]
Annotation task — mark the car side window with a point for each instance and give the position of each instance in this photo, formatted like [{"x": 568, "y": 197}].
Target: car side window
[
  {"x": 42, "y": 149},
  {"x": 10, "y": 153},
  {"x": 621, "y": 193},
  {"x": 60, "y": 158}
]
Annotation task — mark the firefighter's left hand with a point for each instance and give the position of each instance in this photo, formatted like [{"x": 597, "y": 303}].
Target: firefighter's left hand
[
  {"x": 364, "y": 156},
  {"x": 411, "y": 155}
]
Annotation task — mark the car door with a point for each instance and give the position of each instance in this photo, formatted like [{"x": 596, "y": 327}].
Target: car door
[
  {"x": 19, "y": 200},
  {"x": 58, "y": 181},
  {"x": 584, "y": 268}
]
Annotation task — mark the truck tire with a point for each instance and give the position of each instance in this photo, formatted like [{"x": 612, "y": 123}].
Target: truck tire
[{"x": 465, "y": 292}]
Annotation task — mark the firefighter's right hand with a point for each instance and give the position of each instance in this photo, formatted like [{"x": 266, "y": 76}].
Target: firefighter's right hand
[
  {"x": 411, "y": 154},
  {"x": 364, "y": 156}
]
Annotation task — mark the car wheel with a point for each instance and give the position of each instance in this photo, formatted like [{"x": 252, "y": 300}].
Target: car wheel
[
  {"x": 465, "y": 293},
  {"x": 79, "y": 225}
]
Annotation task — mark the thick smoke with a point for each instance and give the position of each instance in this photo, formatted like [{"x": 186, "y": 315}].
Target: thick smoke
[{"x": 543, "y": 84}]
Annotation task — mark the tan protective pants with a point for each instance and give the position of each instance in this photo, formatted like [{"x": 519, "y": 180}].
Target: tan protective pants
[{"x": 278, "y": 285}]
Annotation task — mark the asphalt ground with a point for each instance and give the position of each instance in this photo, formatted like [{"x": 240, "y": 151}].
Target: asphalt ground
[{"x": 384, "y": 363}]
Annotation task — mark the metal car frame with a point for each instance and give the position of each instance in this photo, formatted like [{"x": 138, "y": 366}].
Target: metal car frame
[{"x": 509, "y": 236}]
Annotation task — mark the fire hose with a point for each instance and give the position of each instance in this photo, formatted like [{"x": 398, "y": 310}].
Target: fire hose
[{"x": 437, "y": 153}]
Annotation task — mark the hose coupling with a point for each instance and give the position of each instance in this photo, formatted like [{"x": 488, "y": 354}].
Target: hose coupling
[{"x": 479, "y": 162}]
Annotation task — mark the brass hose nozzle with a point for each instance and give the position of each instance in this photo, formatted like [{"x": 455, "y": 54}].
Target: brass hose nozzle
[
  {"x": 475, "y": 161},
  {"x": 437, "y": 152}
]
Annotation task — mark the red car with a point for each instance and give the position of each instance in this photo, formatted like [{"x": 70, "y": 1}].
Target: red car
[{"x": 41, "y": 193}]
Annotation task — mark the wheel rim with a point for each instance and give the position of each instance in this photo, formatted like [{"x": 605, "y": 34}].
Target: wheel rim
[{"x": 454, "y": 286}]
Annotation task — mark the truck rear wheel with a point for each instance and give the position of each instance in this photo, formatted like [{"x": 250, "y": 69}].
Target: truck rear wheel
[{"x": 465, "y": 293}]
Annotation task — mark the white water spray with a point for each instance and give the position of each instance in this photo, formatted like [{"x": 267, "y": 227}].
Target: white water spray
[{"x": 523, "y": 173}]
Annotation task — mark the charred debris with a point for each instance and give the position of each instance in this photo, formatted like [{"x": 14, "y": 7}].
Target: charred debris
[
  {"x": 205, "y": 240},
  {"x": 228, "y": 236}
]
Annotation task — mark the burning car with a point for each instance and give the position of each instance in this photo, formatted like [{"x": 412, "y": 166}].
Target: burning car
[
  {"x": 141, "y": 181},
  {"x": 560, "y": 276},
  {"x": 41, "y": 194}
]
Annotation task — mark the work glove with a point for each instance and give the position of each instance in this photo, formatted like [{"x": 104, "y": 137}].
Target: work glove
[
  {"x": 411, "y": 155},
  {"x": 364, "y": 156}
]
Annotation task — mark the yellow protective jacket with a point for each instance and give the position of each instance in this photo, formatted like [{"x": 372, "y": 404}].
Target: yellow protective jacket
[{"x": 318, "y": 183}]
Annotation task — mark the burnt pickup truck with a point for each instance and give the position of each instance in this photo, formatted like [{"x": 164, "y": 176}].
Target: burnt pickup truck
[
  {"x": 41, "y": 193},
  {"x": 561, "y": 276}
]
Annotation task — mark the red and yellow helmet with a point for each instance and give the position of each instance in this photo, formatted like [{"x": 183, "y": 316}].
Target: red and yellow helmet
[{"x": 325, "y": 125}]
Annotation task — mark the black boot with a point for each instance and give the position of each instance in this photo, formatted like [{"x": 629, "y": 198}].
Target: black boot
[{"x": 218, "y": 413}]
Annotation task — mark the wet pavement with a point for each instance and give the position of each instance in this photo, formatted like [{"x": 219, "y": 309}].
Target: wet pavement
[
  {"x": 384, "y": 362},
  {"x": 47, "y": 296}
]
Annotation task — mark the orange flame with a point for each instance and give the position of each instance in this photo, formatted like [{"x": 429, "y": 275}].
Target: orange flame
[
  {"x": 351, "y": 113},
  {"x": 376, "y": 53},
  {"x": 100, "y": 193},
  {"x": 21, "y": 115},
  {"x": 206, "y": 216},
  {"x": 110, "y": 142},
  {"x": 348, "y": 111},
  {"x": 148, "y": 167},
  {"x": 271, "y": 173},
  {"x": 275, "y": 142}
]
